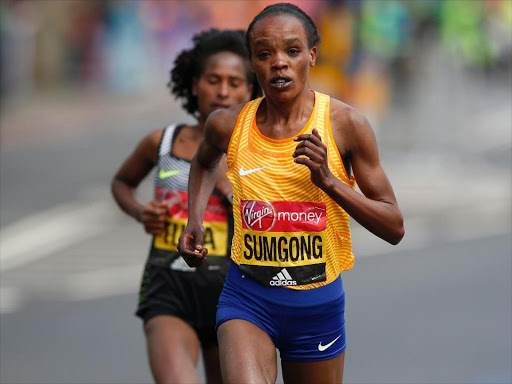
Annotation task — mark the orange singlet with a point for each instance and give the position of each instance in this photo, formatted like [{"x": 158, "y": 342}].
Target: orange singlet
[{"x": 288, "y": 232}]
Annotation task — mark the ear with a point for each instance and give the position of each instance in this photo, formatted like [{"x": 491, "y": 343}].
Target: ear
[
  {"x": 312, "y": 57},
  {"x": 194, "y": 86}
]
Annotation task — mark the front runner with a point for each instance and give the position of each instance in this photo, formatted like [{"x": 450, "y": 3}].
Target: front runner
[{"x": 290, "y": 156}]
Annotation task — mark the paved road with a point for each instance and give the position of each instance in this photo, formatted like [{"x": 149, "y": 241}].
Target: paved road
[
  {"x": 434, "y": 309},
  {"x": 436, "y": 315}
]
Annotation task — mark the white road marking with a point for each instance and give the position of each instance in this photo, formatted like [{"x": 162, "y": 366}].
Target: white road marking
[
  {"x": 11, "y": 299},
  {"x": 50, "y": 231},
  {"x": 103, "y": 283},
  {"x": 425, "y": 231}
]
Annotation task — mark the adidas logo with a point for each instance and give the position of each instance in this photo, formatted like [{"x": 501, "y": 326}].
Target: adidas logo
[{"x": 283, "y": 278}]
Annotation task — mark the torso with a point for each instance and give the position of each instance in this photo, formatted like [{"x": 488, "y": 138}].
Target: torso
[
  {"x": 186, "y": 142},
  {"x": 288, "y": 232},
  {"x": 171, "y": 184},
  {"x": 340, "y": 115},
  {"x": 278, "y": 131}
]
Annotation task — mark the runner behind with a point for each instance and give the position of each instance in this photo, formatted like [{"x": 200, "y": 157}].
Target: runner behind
[{"x": 178, "y": 303}]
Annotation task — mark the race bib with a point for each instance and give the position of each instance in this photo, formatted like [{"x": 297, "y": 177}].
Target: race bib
[
  {"x": 215, "y": 223},
  {"x": 283, "y": 242}
]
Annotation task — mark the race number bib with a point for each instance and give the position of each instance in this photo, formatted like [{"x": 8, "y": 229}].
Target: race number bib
[
  {"x": 283, "y": 242},
  {"x": 215, "y": 223}
]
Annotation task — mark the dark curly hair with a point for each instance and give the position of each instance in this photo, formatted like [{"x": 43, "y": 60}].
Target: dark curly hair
[
  {"x": 189, "y": 64},
  {"x": 287, "y": 9}
]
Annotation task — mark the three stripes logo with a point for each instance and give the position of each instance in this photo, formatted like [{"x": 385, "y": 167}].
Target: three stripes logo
[{"x": 283, "y": 278}]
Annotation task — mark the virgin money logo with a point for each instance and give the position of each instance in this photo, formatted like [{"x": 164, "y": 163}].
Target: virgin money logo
[
  {"x": 258, "y": 215},
  {"x": 284, "y": 216}
]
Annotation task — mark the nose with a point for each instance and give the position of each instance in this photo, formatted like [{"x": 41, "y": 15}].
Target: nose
[
  {"x": 279, "y": 62},
  {"x": 223, "y": 90}
]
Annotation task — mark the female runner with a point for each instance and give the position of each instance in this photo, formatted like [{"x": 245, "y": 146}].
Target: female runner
[
  {"x": 178, "y": 303},
  {"x": 290, "y": 156}
]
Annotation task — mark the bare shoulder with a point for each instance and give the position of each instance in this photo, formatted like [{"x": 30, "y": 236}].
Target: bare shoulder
[
  {"x": 225, "y": 117},
  {"x": 148, "y": 146},
  {"x": 154, "y": 138},
  {"x": 345, "y": 117},
  {"x": 220, "y": 126},
  {"x": 349, "y": 126},
  {"x": 141, "y": 160}
]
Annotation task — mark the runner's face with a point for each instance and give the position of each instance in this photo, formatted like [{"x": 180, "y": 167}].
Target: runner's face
[
  {"x": 222, "y": 84},
  {"x": 280, "y": 56}
]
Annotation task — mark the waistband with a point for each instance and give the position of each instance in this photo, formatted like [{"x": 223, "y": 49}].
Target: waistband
[{"x": 290, "y": 297}]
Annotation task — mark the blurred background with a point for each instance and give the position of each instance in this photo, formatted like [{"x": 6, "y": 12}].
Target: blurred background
[{"x": 83, "y": 81}]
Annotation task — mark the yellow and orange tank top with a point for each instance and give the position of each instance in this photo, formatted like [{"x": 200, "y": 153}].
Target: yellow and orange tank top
[{"x": 288, "y": 232}]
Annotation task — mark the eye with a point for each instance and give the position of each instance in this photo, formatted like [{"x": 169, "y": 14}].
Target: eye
[
  {"x": 213, "y": 80},
  {"x": 263, "y": 54},
  {"x": 235, "y": 83},
  {"x": 293, "y": 51}
]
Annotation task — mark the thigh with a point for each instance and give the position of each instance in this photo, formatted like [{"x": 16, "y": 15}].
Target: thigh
[
  {"x": 326, "y": 371},
  {"x": 247, "y": 354},
  {"x": 173, "y": 349}
]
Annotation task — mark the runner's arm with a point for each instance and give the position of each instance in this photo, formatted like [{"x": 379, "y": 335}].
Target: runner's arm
[
  {"x": 125, "y": 182},
  {"x": 204, "y": 171},
  {"x": 223, "y": 185},
  {"x": 376, "y": 209}
]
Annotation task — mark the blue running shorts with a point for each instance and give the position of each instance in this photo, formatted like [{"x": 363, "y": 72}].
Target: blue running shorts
[{"x": 305, "y": 325}]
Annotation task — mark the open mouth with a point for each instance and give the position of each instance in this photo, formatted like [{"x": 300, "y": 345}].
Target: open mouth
[{"x": 280, "y": 82}]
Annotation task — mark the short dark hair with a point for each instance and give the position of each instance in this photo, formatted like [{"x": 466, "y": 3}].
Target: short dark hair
[
  {"x": 287, "y": 9},
  {"x": 189, "y": 64}
]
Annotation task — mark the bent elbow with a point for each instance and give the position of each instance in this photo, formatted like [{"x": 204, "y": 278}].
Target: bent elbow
[
  {"x": 398, "y": 233},
  {"x": 396, "y": 238},
  {"x": 113, "y": 187}
]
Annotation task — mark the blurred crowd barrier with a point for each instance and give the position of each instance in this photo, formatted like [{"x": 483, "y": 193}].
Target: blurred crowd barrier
[{"x": 365, "y": 57}]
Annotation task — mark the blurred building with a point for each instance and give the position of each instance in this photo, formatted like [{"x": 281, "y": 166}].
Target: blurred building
[{"x": 368, "y": 55}]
